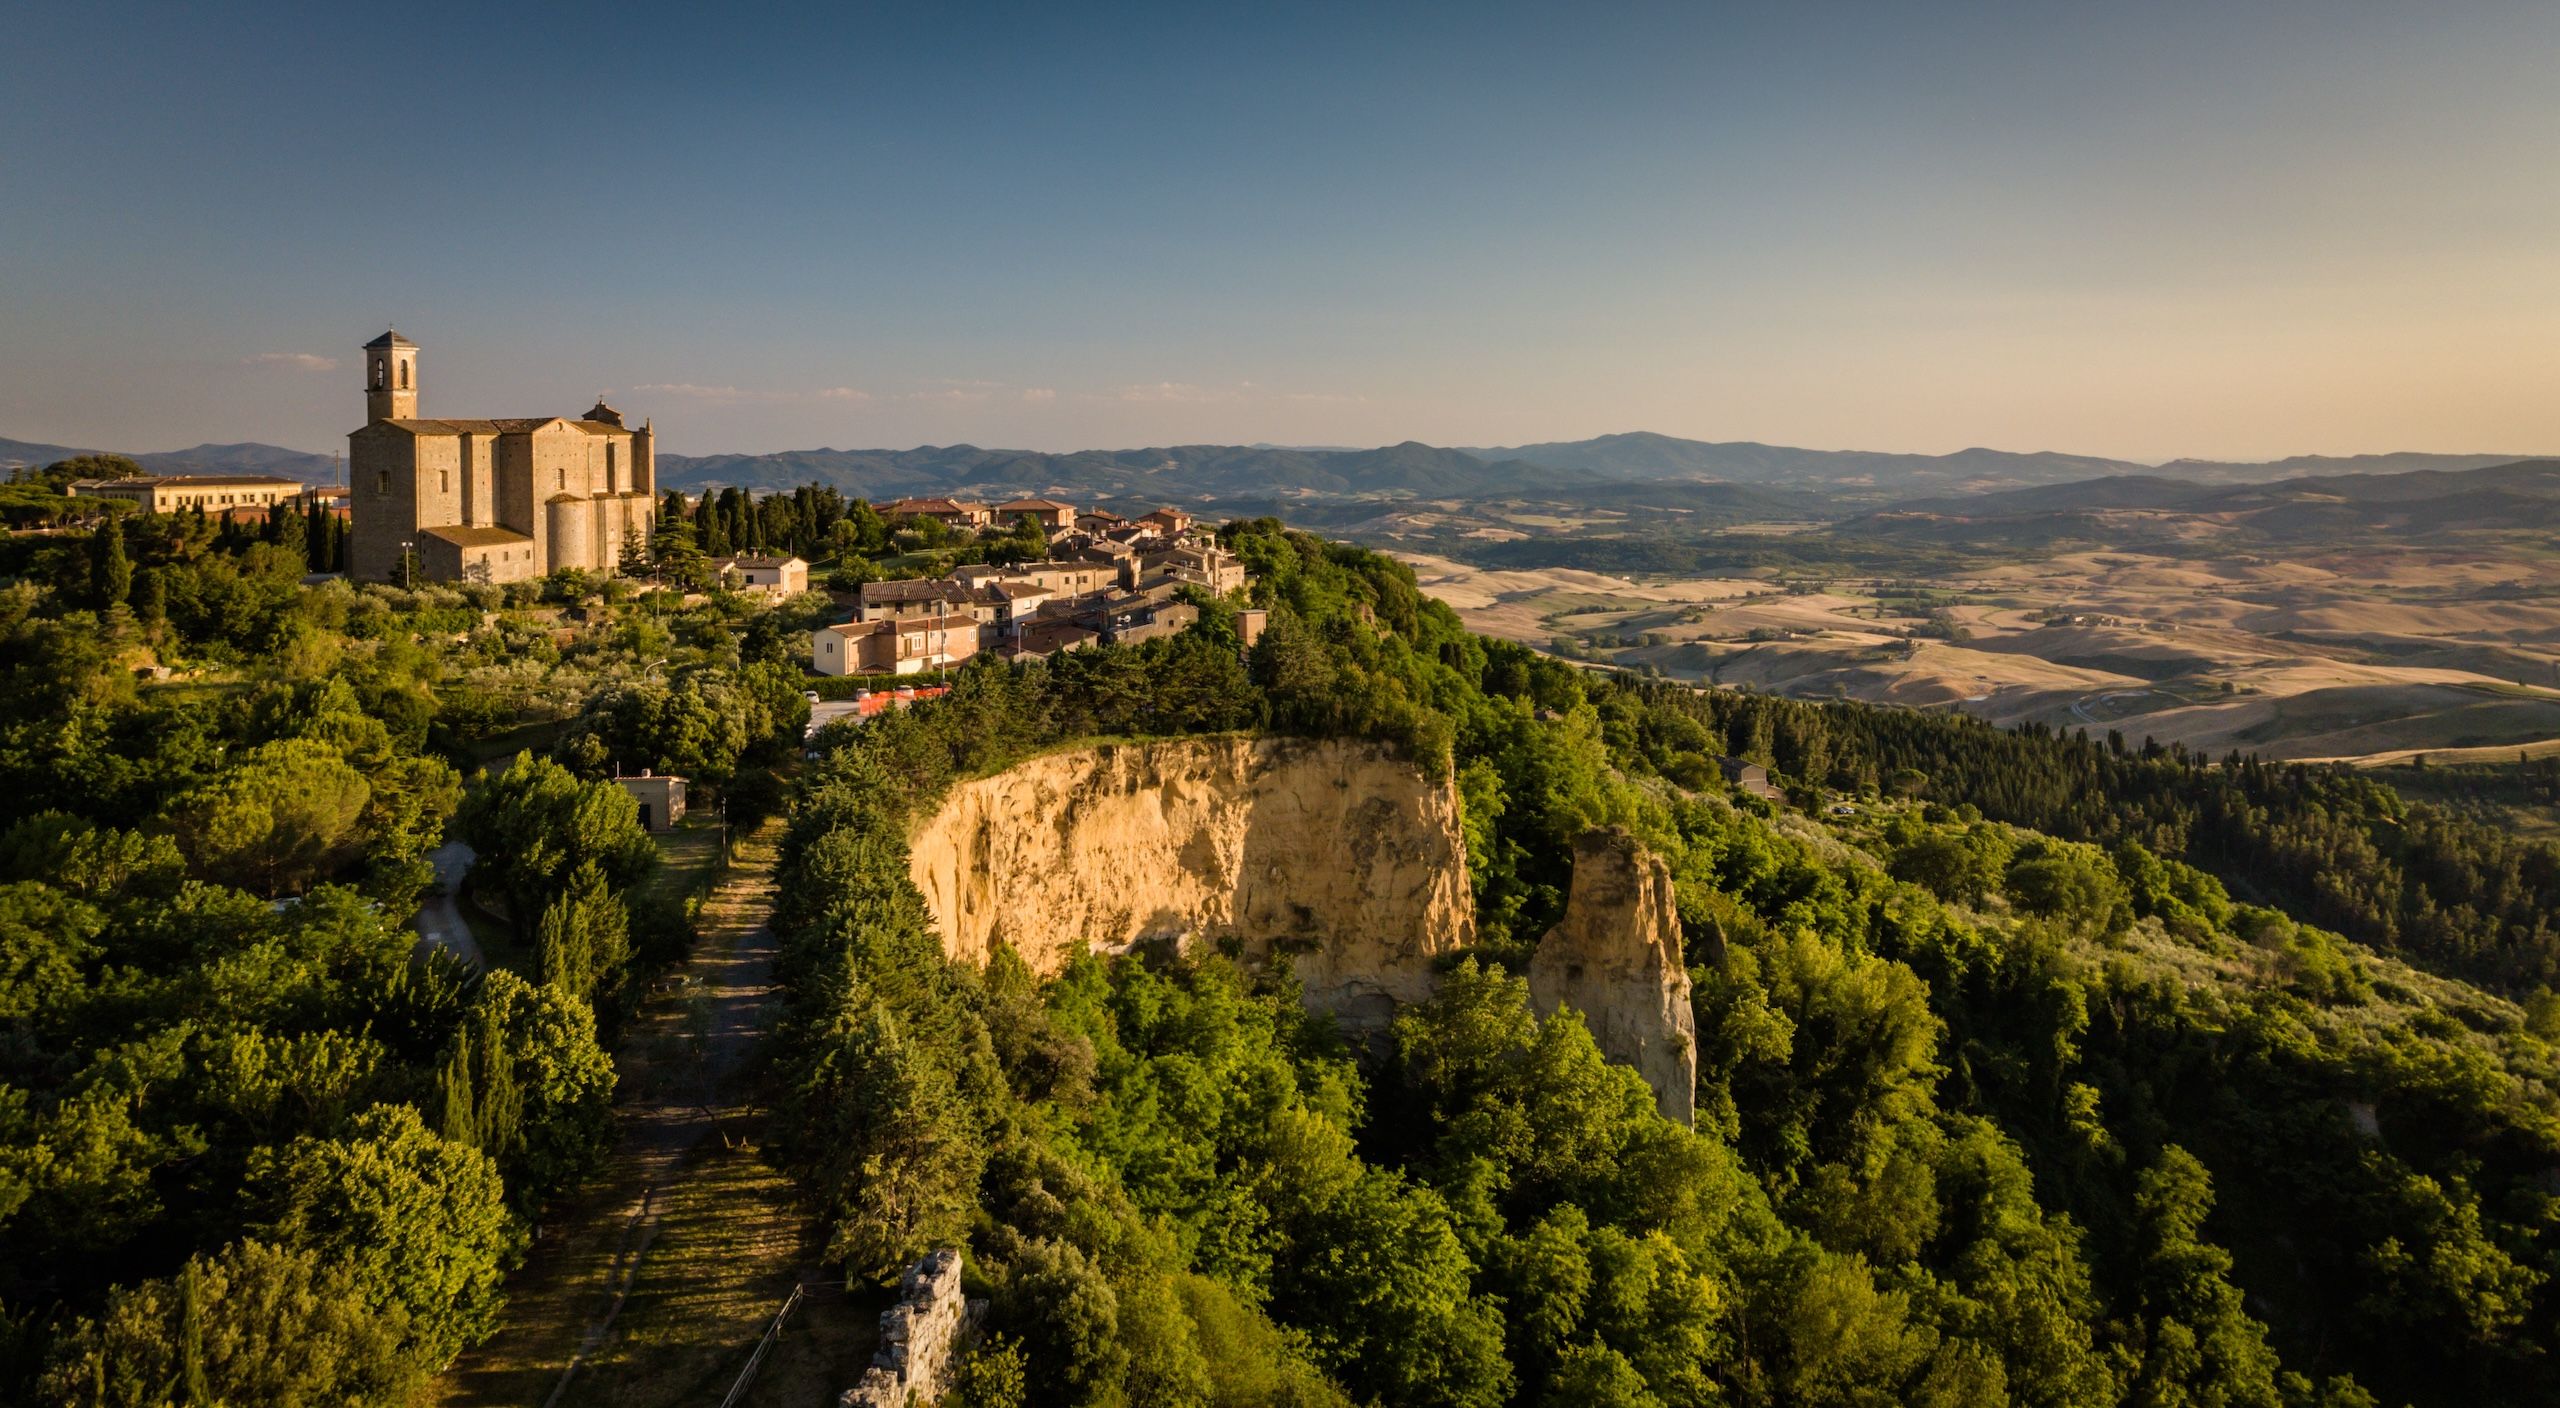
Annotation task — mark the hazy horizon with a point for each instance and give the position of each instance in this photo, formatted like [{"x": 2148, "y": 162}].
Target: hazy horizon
[{"x": 2179, "y": 232}]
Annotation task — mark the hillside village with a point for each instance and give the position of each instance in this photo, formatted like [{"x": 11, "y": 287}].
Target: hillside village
[{"x": 1105, "y": 580}]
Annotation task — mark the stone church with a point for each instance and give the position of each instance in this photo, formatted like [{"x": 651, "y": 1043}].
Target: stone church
[{"x": 489, "y": 500}]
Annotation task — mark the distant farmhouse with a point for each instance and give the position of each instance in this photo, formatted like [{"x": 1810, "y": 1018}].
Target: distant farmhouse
[{"x": 489, "y": 500}]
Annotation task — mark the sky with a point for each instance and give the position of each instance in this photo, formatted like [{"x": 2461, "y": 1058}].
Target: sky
[{"x": 2235, "y": 231}]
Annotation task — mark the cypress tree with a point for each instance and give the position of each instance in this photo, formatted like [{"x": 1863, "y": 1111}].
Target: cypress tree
[
  {"x": 566, "y": 958},
  {"x": 110, "y": 570},
  {"x": 457, "y": 1120},
  {"x": 501, "y": 1101},
  {"x": 151, "y": 602},
  {"x": 199, "y": 1393}
]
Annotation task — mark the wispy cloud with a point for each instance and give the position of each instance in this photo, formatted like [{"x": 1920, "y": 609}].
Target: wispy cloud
[
  {"x": 1181, "y": 393},
  {"x": 747, "y": 395},
  {"x": 305, "y": 361},
  {"x": 1040, "y": 395}
]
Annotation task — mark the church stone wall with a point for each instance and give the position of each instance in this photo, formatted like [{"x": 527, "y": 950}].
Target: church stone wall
[
  {"x": 380, "y": 517},
  {"x": 566, "y": 524}
]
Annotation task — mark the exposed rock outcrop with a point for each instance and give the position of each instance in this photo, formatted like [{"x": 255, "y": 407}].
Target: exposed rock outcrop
[
  {"x": 1334, "y": 851},
  {"x": 1616, "y": 959},
  {"x": 920, "y": 1337}
]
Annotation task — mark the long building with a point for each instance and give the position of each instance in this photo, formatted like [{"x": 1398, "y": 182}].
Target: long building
[
  {"x": 489, "y": 500},
  {"x": 215, "y": 494}
]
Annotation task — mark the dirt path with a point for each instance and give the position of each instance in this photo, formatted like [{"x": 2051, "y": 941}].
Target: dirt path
[{"x": 687, "y": 1115}]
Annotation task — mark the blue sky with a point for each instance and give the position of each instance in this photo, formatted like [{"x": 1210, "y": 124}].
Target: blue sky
[{"x": 2148, "y": 231}]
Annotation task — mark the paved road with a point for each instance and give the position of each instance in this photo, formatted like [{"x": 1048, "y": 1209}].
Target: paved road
[{"x": 440, "y": 920}]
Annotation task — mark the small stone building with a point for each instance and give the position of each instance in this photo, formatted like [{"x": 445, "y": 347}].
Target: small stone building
[
  {"x": 1749, "y": 778},
  {"x": 768, "y": 576},
  {"x": 660, "y": 795}
]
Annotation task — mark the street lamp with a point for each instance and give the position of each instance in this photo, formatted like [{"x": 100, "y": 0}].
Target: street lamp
[{"x": 405, "y": 553}]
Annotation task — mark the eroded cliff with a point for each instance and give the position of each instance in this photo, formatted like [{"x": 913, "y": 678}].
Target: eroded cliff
[
  {"x": 1334, "y": 851},
  {"x": 1616, "y": 958}
]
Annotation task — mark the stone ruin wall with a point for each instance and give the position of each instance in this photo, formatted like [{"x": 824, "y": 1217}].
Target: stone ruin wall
[{"x": 920, "y": 1337}]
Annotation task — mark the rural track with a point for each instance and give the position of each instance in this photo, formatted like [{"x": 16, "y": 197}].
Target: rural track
[{"x": 687, "y": 1068}]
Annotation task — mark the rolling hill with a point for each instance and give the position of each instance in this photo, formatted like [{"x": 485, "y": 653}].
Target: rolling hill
[{"x": 246, "y": 457}]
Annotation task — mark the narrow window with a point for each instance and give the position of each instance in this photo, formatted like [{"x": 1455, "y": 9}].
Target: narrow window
[
  {"x": 612, "y": 475},
  {"x": 404, "y": 374},
  {"x": 382, "y": 481},
  {"x": 377, "y": 373},
  {"x": 560, "y": 477},
  {"x": 444, "y": 481}
]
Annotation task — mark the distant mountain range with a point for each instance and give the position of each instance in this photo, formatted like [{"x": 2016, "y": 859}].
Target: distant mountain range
[
  {"x": 1629, "y": 470},
  {"x": 247, "y": 458},
  {"x": 1174, "y": 471}
]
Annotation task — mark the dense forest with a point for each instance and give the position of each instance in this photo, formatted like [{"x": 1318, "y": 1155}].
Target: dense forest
[
  {"x": 1987, "y": 1115},
  {"x": 2062, "y": 1072},
  {"x": 2450, "y": 893},
  {"x": 257, "y": 1144}
]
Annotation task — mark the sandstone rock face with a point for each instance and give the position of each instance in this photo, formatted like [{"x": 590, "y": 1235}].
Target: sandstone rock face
[
  {"x": 920, "y": 1337},
  {"x": 1616, "y": 959},
  {"x": 1335, "y": 852}
]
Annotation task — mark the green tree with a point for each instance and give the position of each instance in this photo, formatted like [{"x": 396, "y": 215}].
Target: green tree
[
  {"x": 110, "y": 569},
  {"x": 253, "y": 1323},
  {"x": 420, "y": 1223},
  {"x": 287, "y": 814},
  {"x": 535, "y": 824}
]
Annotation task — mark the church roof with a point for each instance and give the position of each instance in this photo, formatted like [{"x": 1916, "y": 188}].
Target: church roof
[
  {"x": 506, "y": 425},
  {"x": 389, "y": 339}
]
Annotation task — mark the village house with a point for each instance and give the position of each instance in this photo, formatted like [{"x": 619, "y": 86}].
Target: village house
[
  {"x": 1202, "y": 565},
  {"x": 1131, "y": 620},
  {"x": 1064, "y": 579},
  {"x": 1044, "y": 636},
  {"x": 909, "y": 597},
  {"x": 764, "y": 576},
  {"x": 1098, "y": 520},
  {"x": 1050, "y": 514},
  {"x": 1170, "y": 521},
  {"x": 950, "y": 513},
  {"x": 904, "y": 645},
  {"x": 1017, "y": 602}
]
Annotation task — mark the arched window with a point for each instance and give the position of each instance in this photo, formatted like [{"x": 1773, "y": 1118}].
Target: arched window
[
  {"x": 377, "y": 373},
  {"x": 404, "y": 374}
]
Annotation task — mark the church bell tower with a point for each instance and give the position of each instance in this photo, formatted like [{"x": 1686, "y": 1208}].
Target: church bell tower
[{"x": 390, "y": 378}]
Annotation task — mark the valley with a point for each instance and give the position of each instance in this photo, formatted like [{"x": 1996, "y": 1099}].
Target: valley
[{"x": 2368, "y": 640}]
